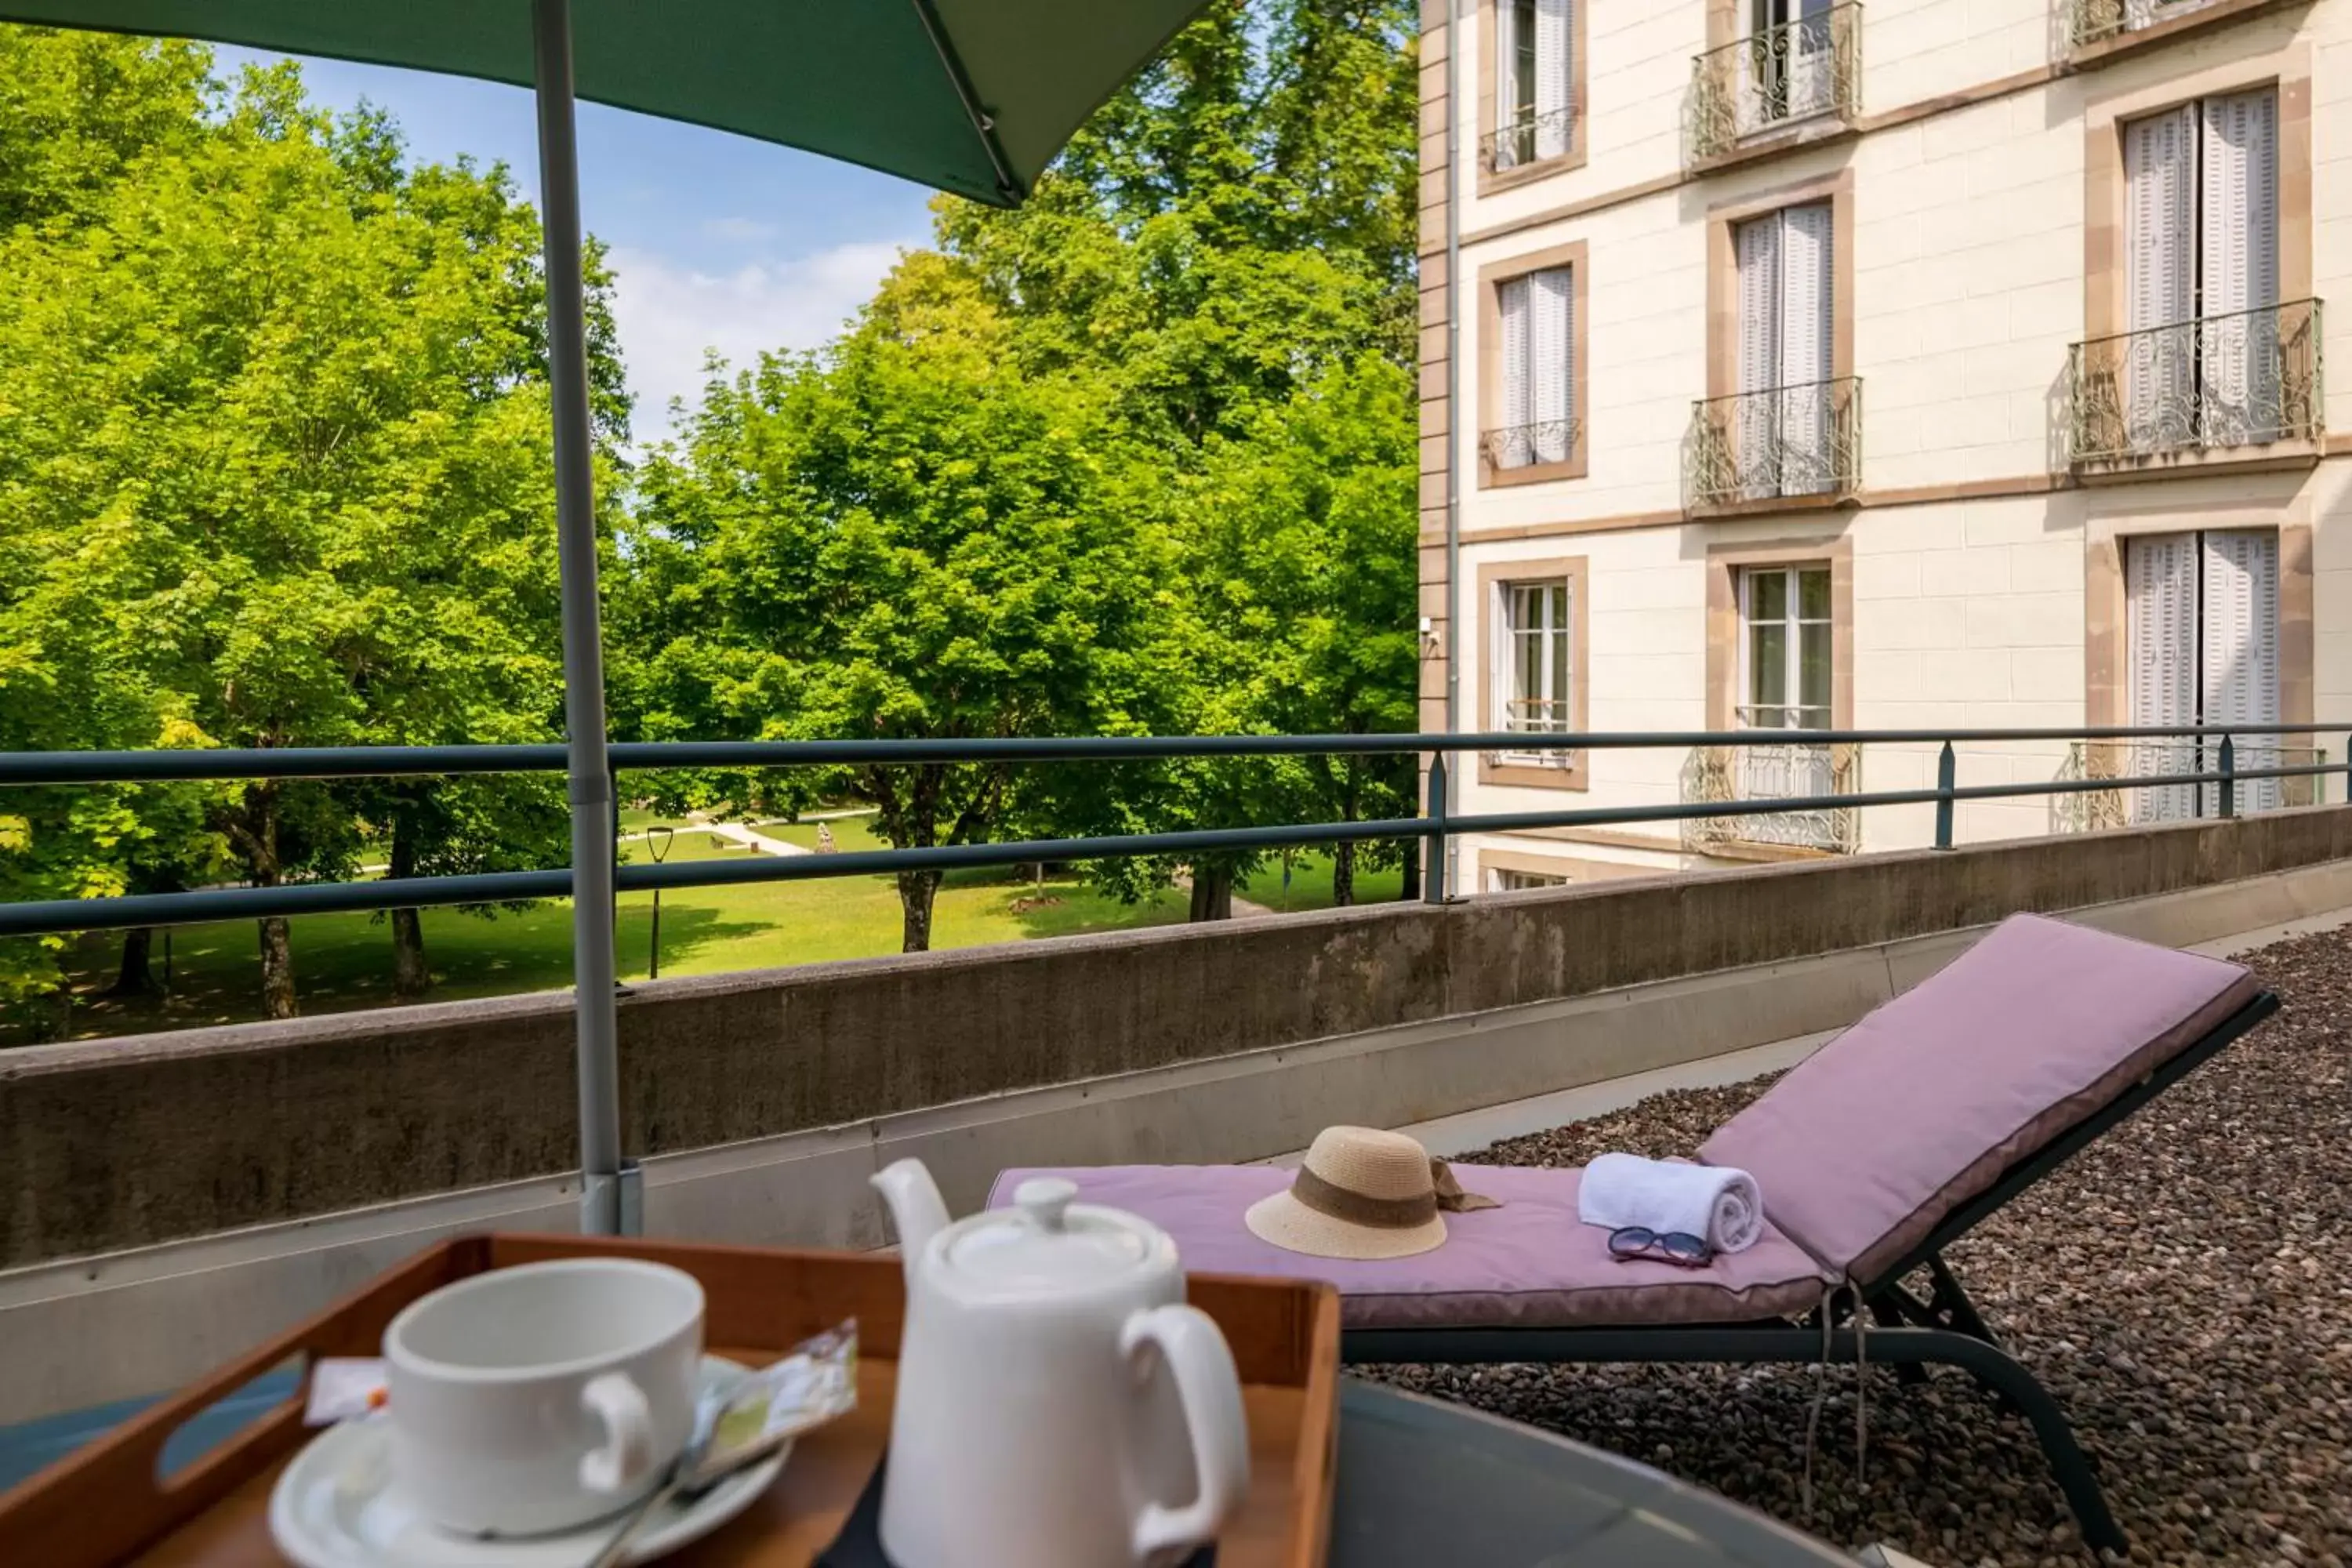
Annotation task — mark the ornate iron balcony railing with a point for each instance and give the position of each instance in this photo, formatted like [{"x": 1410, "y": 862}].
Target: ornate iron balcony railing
[
  {"x": 1529, "y": 138},
  {"x": 1523, "y": 445},
  {"x": 1785, "y": 441},
  {"x": 1780, "y": 771},
  {"x": 2247, "y": 379},
  {"x": 1776, "y": 77},
  {"x": 2094, "y": 21},
  {"x": 2093, "y": 812}
]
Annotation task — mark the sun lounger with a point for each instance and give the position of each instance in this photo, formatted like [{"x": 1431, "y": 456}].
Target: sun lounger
[{"x": 1874, "y": 1155}]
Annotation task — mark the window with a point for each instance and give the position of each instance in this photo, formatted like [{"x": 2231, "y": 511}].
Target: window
[
  {"x": 2203, "y": 356},
  {"x": 1785, "y": 615},
  {"x": 1789, "y": 64},
  {"x": 1533, "y": 112},
  {"x": 1786, "y": 641},
  {"x": 1782, "y": 441},
  {"x": 1502, "y": 880},
  {"x": 1536, "y": 312},
  {"x": 2202, "y": 627},
  {"x": 1535, "y": 659}
]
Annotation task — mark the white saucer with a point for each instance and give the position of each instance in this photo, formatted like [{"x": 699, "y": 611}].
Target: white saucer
[{"x": 335, "y": 1506}]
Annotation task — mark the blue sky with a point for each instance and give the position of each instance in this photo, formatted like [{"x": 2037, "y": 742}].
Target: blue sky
[{"x": 718, "y": 241}]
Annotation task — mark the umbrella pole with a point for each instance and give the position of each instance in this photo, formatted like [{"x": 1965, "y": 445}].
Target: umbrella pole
[{"x": 603, "y": 1209}]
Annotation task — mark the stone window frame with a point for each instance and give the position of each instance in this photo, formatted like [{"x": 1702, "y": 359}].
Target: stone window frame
[
  {"x": 2105, "y": 217},
  {"x": 1580, "y": 106},
  {"x": 2107, "y": 685},
  {"x": 1491, "y": 279},
  {"x": 1493, "y": 577},
  {"x": 1724, "y": 563},
  {"x": 1723, "y": 218}
]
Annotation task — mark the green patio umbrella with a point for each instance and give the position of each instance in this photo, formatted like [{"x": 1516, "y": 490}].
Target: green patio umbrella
[{"x": 970, "y": 96}]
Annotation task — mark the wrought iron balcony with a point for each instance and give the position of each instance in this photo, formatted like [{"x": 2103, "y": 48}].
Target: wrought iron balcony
[
  {"x": 1795, "y": 770},
  {"x": 2096, "y": 811},
  {"x": 1774, "y": 78},
  {"x": 1525, "y": 446},
  {"x": 2095, "y": 21},
  {"x": 1785, "y": 441},
  {"x": 1529, "y": 138},
  {"x": 2248, "y": 379}
]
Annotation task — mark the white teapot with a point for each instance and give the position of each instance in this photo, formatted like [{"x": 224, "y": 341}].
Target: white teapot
[{"x": 1056, "y": 1400}]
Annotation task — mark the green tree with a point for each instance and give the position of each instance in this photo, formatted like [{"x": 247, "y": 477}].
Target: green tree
[
  {"x": 1230, "y": 245},
  {"x": 906, "y": 536},
  {"x": 273, "y": 459}
]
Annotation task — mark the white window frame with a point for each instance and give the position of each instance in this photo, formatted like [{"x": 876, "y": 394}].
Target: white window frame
[
  {"x": 1510, "y": 880},
  {"x": 1792, "y": 646},
  {"x": 1555, "y": 661}
]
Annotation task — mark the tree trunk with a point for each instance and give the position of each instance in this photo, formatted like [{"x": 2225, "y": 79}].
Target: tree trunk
[
  {"x": 257, "y": 837},
  {"x": 410, "y": 975},
  {"x": 1410, "y": 893},
  {"x": 1213, "y": 893},
  {"x": 916, "y": 890},
  {"x": 276, "y": 970},
  {"x": 1343, "y": 874},
  {"x": 135, "y": 977}
]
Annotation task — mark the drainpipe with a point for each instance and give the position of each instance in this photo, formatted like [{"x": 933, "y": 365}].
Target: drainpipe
[{"x": 1452, "y": 406}]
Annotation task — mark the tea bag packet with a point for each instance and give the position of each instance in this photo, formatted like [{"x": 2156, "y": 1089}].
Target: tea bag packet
[{"x": 816, "y": 1382}]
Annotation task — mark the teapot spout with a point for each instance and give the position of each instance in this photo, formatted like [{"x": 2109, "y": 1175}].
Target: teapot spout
[{"x": 915, "y": 1207}]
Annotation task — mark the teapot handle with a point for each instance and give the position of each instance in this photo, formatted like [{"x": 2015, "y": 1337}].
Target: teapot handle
[{"x": 1210, "y": 1391}]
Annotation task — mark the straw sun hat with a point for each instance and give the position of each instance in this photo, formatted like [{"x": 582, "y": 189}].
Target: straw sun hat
[{"x": 1365, "y": 1195}]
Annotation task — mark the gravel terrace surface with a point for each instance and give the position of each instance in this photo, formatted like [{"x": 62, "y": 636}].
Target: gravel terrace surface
[{"x": 2182, "y": 1286}]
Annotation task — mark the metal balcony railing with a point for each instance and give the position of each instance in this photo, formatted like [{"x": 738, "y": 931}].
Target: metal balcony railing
[
  {"x": 1529, "y": 138},
  {"x": 1526, "y": 446},
  {"x": 1781, "y": 771},
  {"x": 2251, "y": 378},
  {"x": 1785, "y": 441},
  {"x": 1437, "y": 823},
  {"x": 1774, "y": 78},
  {"x": 2091, "y": 811},
  {"x": 2095, "y": 21}
]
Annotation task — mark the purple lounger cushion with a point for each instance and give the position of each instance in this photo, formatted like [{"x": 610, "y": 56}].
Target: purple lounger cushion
[
  {"x": 1874, "y": 1140},
  {"x": 1528, "y": 1264}
]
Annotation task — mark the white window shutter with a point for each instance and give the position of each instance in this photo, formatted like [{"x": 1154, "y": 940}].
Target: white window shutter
[
  {"x": 2161, "y": 581},
  {"x": 2160, "y": 175},
  {"x": 1552, "y": 78},
  {"x": 2241, "y": 678},
  {"x": 1806, "y": 323},
  {"x": 1552, "y": 304},
  {"x": 2239, "y": 269},
  {"x": 1756, "y": 415},
  {"x": 1508, "y": 90},
  {"x": 1759, "y": 304},
  {"x": 1512, "y": 297}
]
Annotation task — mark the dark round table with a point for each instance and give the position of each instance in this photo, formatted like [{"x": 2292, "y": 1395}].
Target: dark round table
[{"x": 1424, "y": 1483}]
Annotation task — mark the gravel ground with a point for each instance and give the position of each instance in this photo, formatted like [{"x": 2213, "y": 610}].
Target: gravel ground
[{"x": 2182, "y": 1286}]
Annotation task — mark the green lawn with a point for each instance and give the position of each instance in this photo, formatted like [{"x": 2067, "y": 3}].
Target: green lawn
[{"x": 344, "y": 962}]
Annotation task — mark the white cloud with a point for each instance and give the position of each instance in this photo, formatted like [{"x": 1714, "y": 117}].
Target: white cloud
[{"x": 669, "y": 315}]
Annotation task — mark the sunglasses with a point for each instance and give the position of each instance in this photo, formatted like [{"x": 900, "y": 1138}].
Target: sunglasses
[{"x": 1674, "y": 1246}]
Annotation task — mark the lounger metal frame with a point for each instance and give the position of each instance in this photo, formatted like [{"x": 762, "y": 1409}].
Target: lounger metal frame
[{"x": 1909, "y": 1333}]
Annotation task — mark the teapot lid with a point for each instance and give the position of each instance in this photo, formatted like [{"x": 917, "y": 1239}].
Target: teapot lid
[{"x": 1045, "y": 1247}]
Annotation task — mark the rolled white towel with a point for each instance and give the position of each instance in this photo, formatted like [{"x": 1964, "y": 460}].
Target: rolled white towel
[{"x": 1716, "y": 1202}]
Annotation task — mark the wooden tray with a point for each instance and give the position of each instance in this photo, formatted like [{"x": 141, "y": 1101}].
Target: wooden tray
[{"x": 104, "y": 1505}]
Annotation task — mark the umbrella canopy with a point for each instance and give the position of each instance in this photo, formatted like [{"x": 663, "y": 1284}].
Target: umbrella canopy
[{"x": 970, "y": 96}]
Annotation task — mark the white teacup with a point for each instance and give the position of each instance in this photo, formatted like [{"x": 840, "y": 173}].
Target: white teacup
[{"x": 544, "y": 1397}]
